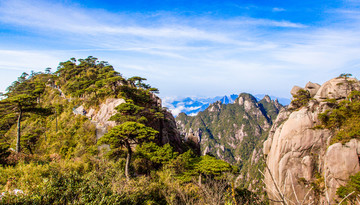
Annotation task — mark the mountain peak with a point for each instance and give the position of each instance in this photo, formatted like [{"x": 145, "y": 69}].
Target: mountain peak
[{"x": 267, "y": 98}]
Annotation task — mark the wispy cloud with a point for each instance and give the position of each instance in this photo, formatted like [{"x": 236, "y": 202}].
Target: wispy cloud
[
  {"x": 184, "y": 55},
  {"x": 24, "y": 60},
  {"x": 276, "y": 9}
]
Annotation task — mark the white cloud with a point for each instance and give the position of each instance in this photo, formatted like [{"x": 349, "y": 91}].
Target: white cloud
[
  {"x": 184, "y": 56},
  {"x": 276, "y": 9},
  {"x": 192, "y": 108},
  {"x": 177, "y": 110},
  {"x": 27, "y": 60}
]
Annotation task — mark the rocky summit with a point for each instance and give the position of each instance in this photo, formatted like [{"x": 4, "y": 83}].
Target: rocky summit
[{"x": 307, "y": 160}]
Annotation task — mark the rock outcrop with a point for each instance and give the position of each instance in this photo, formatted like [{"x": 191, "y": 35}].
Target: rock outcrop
[
  {"x": 168, "y": 132},
  {"x": 312, "y": 88},
  {"x": 300, "y": 157},
  {"x": 337, "y": 88},
  {"x": 101, "y": 116}
]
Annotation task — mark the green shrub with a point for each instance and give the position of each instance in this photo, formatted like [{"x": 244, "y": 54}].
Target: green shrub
[
  {"x": 352, "y": 186},
  {"x": 301, "y": 98}
]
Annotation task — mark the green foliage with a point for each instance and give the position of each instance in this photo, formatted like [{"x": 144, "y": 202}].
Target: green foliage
[
  {"x": 60, "y": 161},
  {"x": 240, "y": 133},
  {"x": 22, "y": 97},
  {"x": 345, "y": 75},
  {"x": 155, "y": 156},
  {"x": 301, "y": 98},
  {"x": 4, "y": 152},
  {"x": 128, "y": 133},
  {"x": 89, "y": 78},
  {"x": 352, "y": 186},
  {"x": 343, "y": 119},
  {"x": 95, "y": 80},
  {"x": 211, "y": 166},
  {"x": 129, "y": 112}
]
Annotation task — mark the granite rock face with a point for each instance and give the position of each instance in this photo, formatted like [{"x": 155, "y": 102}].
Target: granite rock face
[
  {"x": 341, "y": 161},
  {"x": 106, "y": 110},
  {"x": 337, "y": 88},
  {"x": 312, "y": 88},
  {"x": 297, "y": 154},
  {"x": 295, "y": 89}
]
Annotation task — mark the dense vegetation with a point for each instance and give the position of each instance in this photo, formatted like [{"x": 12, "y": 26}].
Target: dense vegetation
[
  {"x": 301, "y": 99},
  {"x": 53, "y": 156},
  {"x": 343, "y": 118}
]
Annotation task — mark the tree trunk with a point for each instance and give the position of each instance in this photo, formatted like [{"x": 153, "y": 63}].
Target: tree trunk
[
  {"x": 56, "y": 125},
  {"x": 18, "y": 147},
  {"x": 128, "y": 158},
  {"x": 200, "y": 180}
]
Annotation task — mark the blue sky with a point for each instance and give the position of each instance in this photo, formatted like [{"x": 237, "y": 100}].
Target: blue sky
[{"x": 187, "y": 48}]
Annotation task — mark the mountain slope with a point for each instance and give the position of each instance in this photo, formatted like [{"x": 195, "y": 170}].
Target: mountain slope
[{"x": 232, "y": 132}]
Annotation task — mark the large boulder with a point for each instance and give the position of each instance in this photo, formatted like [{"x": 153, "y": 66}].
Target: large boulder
[
  {"x": 341, "y": 161},
  {"x": 312, "y": 88},
  {"x": 292, "y": 155},
  {"x": 294, "y": 90},
  {"x": 337, "y": 88}
]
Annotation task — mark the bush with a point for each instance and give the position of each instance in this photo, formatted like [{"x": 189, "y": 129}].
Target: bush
[
  {"x": 301, "y": 98},
  {"x": 352, "y": 186},
  {"x": 343, "y": 120}
]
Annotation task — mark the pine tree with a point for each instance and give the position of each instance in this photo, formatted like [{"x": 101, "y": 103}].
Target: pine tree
[
  {"x": 127, "y": 135},
  {"x": 21, "y": 97}
]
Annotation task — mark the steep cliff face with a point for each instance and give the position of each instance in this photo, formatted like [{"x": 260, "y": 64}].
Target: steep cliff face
[
  {"x": 233, "y": 132},
  {"x": 302, "y": 165}
]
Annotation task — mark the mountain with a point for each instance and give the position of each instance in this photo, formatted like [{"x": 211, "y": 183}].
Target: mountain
[
  {"x": 232, "y": 132},
  {"x": 193, "y": 105},
  {"x": 87, "y": 135},
  {"x": 283, "y": 101}
]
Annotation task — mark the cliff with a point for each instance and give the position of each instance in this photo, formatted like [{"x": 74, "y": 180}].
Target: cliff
[{"x": 304, "y": 163}]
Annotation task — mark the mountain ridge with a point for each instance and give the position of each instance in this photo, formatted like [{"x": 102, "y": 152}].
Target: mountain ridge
[{"x": 193, "y": 105}]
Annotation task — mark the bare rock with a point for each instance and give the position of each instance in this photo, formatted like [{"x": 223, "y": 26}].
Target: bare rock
[
  {"x": 307, "y": 166},
  {"x": 312, "y": 88},
  {"x": 295, "y": 150},
  {"x": 341, "y": 161},
  {"x": 288, "y": 157},
  {"x": 267, "y": 98},
  {"x": 267, "y": 146},
  {"x": 106, "y": 110},
  {"x": 295, "y": 89},
  {"x": 337, "y": 88}
]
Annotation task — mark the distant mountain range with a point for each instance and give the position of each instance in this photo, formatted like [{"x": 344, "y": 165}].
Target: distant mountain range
[{"x": 191, "y": 106}]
